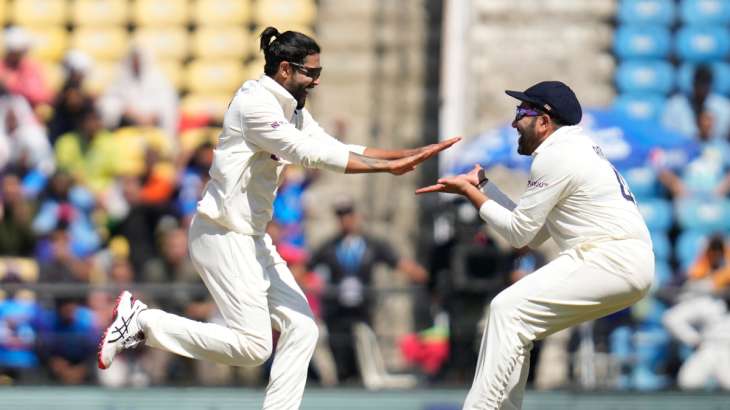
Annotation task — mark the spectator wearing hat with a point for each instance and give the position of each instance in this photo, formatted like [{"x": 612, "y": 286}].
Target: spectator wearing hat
[
  {"x": 19, "y": 73},
  {"x": 347, "y": 263}
]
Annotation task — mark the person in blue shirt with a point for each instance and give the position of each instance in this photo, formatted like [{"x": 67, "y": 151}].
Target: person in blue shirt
[
  {"x": 682, "y": 112},
  {"x": 68, "y": 338}
]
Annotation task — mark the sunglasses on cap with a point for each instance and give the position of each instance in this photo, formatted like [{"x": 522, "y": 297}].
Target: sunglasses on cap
[{"x": 311, "y": 72}]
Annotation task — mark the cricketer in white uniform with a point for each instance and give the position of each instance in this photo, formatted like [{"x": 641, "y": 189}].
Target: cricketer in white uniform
[
  {"x": 265, "y": 128},
  {"x": 575, "y": 196}
]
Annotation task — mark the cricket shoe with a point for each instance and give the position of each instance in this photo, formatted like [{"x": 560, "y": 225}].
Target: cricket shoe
[{"x": 124, "y": 332}]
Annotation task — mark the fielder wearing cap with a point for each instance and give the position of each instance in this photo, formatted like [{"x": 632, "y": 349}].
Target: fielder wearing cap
[{"x": 576, "y": 197}]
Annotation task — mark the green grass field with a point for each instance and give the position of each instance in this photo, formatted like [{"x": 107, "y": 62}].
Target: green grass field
[{"x": 74, "y": 398}]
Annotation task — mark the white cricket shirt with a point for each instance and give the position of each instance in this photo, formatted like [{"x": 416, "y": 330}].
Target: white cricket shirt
[
  {"x": 573, "y": 192},
  {"x": 262, "y": 132}
]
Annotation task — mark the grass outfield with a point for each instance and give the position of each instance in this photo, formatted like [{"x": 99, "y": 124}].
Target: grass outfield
[{"x": 88, "y": 398}]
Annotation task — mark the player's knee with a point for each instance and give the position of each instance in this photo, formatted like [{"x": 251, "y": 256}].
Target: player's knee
[
  {"x": 254, "y": 349},
  {"x": 503, "y": 304},
  {"x": 306, "y": 331}
]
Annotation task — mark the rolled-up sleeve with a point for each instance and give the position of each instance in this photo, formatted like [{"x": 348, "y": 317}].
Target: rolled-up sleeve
[
  {"x": 265, "y": 125},
  {"x": 550, "y": 181}
]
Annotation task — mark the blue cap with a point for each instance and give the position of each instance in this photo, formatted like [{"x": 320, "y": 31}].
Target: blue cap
[{"x": 553, "y": 97}]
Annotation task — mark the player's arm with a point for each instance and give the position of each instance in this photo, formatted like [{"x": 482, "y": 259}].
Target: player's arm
[
  {"x": 311, "y": 127},
  {"x": 363, "y": 164},
  {"x": 521, "y": 225}
]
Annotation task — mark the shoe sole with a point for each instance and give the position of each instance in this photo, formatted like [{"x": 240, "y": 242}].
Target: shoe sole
[{"x": 103, "y": 337}]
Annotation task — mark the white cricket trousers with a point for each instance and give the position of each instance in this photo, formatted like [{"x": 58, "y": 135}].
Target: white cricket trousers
[
  {"x": 579, "y": 285},
  {"x": 254, "y": 291}
]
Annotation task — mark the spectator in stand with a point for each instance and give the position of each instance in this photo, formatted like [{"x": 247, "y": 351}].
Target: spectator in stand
[
  {"x": 141, "y": 95},
  {"x": 140, "y": 221},
  {"x": 682, "y": 112},
  {"x": 347, "y": 263},
  {"x": 62, "y": 265},
  {"x": 18, "y": 333},
  {"x": 289, "y": 210},
  {"x": 16, "y": 215},
  {"x": 701, "y": 319},
  {"x": 19, "y": 73},
  {"x": 193, "y": 180},
  {"x": 23, "y": 137},
  {"x": 89, "y": 153},
  {"x": 173, "y": 266},
  {"x": 68, "y": 339},
  {"x": 66, "y": 205},
  {"x": 71, "y": 100},
  {"x": 705, "y": 176}
]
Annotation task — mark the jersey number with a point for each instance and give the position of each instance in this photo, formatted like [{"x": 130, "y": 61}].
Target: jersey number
[{"x": 625, "y": 191}]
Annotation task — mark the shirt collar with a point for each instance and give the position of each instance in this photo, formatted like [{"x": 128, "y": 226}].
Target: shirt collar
[
  {"x": 560, "y": 134},
  {"x": 285, "y": 98}
]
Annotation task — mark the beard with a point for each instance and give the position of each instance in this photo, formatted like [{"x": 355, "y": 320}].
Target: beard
[
  {"x": 300, "y": 92},
  {"x": 526, "y": 141}
]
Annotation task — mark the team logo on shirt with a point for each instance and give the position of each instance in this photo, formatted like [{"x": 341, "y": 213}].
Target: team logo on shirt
[
  {"x": 536, "y": 184},
  {"x": 276, "y": 124}
]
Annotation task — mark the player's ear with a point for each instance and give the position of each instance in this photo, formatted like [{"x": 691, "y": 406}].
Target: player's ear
[{"x": 284, "y": 69}]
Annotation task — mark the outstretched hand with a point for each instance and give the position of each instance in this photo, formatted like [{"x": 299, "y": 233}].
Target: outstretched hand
[
  {"x": 458, "y": 184},
  {"x": 407, "y": 164}
]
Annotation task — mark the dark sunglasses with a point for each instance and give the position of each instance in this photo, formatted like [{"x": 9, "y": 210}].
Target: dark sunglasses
[
  {"x": 311, "y": 72},
  {"x": 523, "y": 112}
]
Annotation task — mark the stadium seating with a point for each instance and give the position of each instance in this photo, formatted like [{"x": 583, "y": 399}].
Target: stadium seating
[
  {"x": 703, "y": 215},
  {"x": 645, "y": 76},
  {"x": 38, "y": 12},
  {"x": 646, "y": 12},
  {"x": 170, "y": 42},
  {"x": 221, "y": 42},
  {"x": 160, "y": 13},
  {"x": 705, "y": 11},
  {"x": 689, "y": 244},
  {"x": 49, "y": 43},
  {"x": 108, "y": 43},
  {"x": 643, "y": 182},
  {"x": 662, "y": 246},
  {"x": 284, "y": 12},
  {"x": 702, "y": 43},
  {"x": 214, "y": 12},
  {"x": 657, "y": 213},
  {"x": 642, "y": 106},
  {"x": 642, "y": 41},
  {"x": 99, "y": 12},
  {"x": 213, "y": 76}
]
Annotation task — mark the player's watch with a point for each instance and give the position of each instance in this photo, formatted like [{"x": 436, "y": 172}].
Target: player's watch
[{"x": 482, "y": 176}]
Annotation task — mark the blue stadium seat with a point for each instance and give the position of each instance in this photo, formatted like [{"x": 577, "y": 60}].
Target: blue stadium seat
[
  {"x": 657, "y": 213},
  {"x": 663, "y": 273},
  {"x": 689, "y": 245},
  {"x": 641, "y": 106},
  {"x": 721, "y": 77},
  {"x": 702, "y": 43},
  {"x": 642, "y": 181},
  {"x": 706, "y": 216},
  {"x": 645, "y": 76},
  {"x": 662, "y": 246},
  {"x": 642, "y": 41},
  {"x": 705, "y": 11},
  {"x": 646, "y": 12}
]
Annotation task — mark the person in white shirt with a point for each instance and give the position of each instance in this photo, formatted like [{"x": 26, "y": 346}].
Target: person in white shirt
[
  {"x": 265, "y": 128},
  {"x": 575, "y": 196}
]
